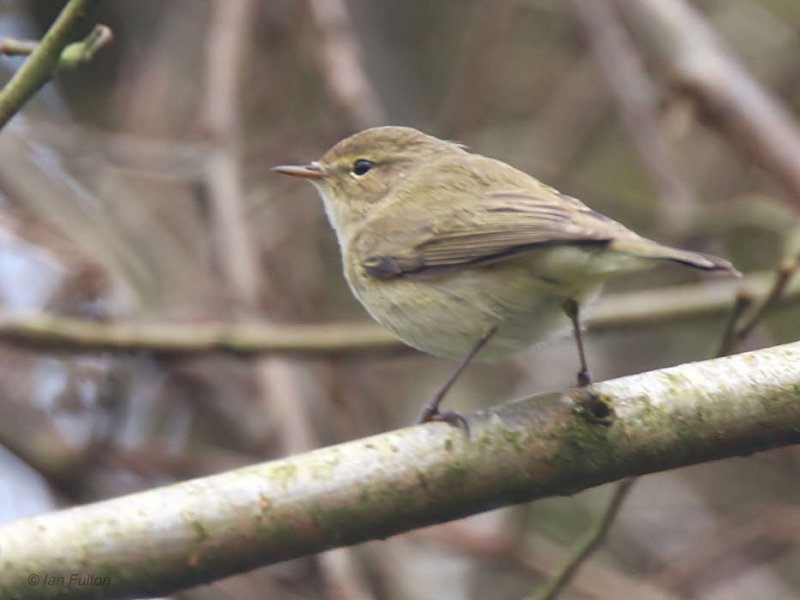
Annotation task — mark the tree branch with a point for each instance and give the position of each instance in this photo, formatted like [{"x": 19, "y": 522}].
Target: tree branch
[
  {"x": 72, "y": 56},
  {"x": 58, "y": 334},
  {"x": 48, "y": 55},
  {"x": 189, "y": 533},
  {"x": 341, "y": 64}
]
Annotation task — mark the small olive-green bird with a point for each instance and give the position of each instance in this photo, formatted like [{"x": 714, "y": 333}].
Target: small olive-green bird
[{"x": 461, "y": 255}]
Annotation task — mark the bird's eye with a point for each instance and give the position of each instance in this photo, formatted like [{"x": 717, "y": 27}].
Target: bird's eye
[{"x": 362, "y": 166}]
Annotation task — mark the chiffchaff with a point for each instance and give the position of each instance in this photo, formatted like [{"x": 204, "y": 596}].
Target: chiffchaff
[{"x": 461, "y": 255}]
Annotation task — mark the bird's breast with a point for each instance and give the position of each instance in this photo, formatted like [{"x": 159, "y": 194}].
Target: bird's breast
[{"x": 446, "y": 313}]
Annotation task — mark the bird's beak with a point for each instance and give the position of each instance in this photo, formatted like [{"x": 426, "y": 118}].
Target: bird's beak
[{"x": 312, "y": 170}]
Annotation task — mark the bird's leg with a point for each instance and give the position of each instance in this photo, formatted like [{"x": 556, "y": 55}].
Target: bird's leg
[
  {"x": 595, "y": 408},
  {"x": 572, "y": 311},
  {"x": 430, "y": 412}
]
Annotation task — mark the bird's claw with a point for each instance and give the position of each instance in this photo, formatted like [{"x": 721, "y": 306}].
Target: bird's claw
[{"x": 451, "y": 417}]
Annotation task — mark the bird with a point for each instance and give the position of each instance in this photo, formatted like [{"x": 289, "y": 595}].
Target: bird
[{"x": 463, "y": 256}]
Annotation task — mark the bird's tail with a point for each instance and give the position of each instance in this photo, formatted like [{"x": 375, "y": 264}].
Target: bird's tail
[{"x": 645, "y": 248}]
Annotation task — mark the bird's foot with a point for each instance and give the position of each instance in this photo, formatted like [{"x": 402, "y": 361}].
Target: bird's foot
[
  {"x": 431, "y": 413},
  {"x": 585, "y": 378}
]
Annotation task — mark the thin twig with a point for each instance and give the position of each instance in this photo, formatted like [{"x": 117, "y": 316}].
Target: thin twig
[
  {"x": 741, "y": 304},
  {"x": 43, "y": 61},
  {"x": 15, "y": 47},
  {"x": 786, "y": 271},
  {"x": 341, "y": 64},
  {"x": 223, "y": 174},
  {"x": 739, "y": 327},
  {"x": 588, "y": 544}
]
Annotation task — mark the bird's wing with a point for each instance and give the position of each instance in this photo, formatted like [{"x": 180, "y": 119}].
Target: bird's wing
[{"x": 510, "y": 223}]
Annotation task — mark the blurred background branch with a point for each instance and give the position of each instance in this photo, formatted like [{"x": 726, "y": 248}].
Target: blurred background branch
[
  {"x": 589, "y": 544},
  {"x": 53, "y": 333},
  {"x": 696, "y": 61},
  {"x": 637, "y": 105},
  {"x": 275, "y": 379},
  {"x": 341, "y": 64}
]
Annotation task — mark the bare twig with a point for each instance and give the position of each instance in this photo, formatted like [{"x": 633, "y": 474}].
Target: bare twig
[
  {"x": 741, "y": 304},
  {"x": 154, "y": 542},
  {"x": 785, "y": 272},
  {"x": 220, "y": 116},
  {"x": 72, "y": 56},
  {"x": 55, "y": 333},
  {"x": 637, "y": 105},
  {"x": 14, "y": 47},
  {"x": 68, "y": 334},
  {"x": 45, "y": 59},
  {"x": 738, "y": 328},
  {"x": 587, "y": 545},
  {"x": 698, "y": 62},
  {"x": 341, "y": 64}
]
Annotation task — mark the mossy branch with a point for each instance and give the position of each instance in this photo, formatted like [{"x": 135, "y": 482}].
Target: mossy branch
[
  {"x": 189, "y": 533},
  {"x": 53, "y": 52}
]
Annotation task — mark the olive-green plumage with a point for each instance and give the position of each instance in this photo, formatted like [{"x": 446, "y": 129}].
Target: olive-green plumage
[{"x": 443, "y": 246}]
